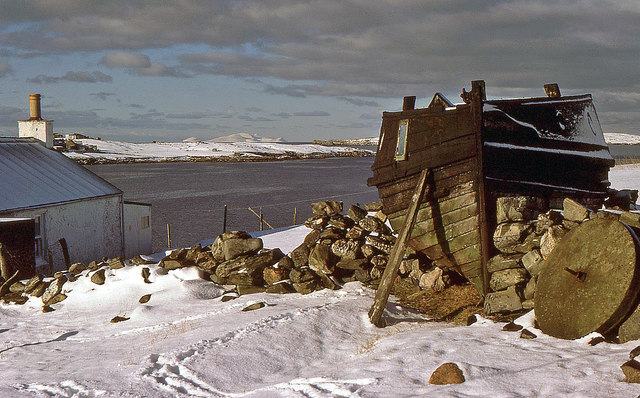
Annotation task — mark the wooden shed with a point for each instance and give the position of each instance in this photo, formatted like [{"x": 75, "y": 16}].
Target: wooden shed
[{"x": 552, "y": 147}]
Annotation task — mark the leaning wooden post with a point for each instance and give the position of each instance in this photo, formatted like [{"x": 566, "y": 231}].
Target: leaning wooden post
[
  {"x": 4, "y": 264},
  {"x": 224, "y": 220},
  {"x": 397, "y": 252},
  {"x": 65, "y": 252}
]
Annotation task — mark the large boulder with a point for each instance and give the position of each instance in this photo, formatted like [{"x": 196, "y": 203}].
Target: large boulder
[
  {"x": 300, "y": 255},
  {"x": 509, "y": 277},
  {"x": 574, "y": 211},
  {"x": 248, "y": 270},
  {"x": 447, "y": 373},
  {"x": 502, "y": 302},
  {"x": 232, "y": 248},
  {"x": 503, "y": 261}
]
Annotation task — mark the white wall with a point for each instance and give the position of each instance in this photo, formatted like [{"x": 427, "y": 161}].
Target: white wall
[
  {"x": 92, "y": 229},
  {"x": 40, "y": 129},
  {"x": 137, "y": 229}
]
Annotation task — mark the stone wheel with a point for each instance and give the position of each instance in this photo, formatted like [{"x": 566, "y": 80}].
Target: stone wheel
[{"x": 589, "y": 282}]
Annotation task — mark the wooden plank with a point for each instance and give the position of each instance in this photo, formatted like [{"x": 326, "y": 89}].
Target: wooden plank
[
  {"x": 397, "y": 252},
  {"x": 434, "y": 244},
  {"x": 446, "y": 190},
  {"x": 449, "y": 231},
  {"x": 430, "y": 224},
  {"x": 452, "y": 260}
]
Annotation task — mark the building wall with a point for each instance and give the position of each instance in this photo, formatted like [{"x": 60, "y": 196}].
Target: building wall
[
  {"x": 40, "y": 129},
  {"x": 137, "y": 229},
  {"x": 92, "y": 229}
]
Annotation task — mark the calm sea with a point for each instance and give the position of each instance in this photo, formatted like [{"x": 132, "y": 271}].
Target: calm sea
[{"x": 190, "y": 197}]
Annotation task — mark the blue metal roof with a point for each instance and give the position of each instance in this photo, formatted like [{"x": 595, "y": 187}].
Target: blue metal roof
[{"x": 34, "y": 176}]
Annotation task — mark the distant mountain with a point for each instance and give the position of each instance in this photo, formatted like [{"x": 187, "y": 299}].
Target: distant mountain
[
  {"x": 245, "y": 137},
  {"x": 369, "y": 141}
]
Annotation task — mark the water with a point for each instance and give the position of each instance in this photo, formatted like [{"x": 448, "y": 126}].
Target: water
[
  {"x": 191, "y": 196},
  {"x": 624, "y": 151}
]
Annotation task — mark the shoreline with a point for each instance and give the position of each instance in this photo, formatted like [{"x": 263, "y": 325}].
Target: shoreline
[{"x": 238, "y": 158}]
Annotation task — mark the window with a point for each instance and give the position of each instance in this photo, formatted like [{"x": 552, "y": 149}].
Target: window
[
  {"x": 401, "y": 146},
  {"x": 144, "y": 222}
]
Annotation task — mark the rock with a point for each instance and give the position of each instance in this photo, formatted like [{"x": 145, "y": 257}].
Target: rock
[
  {"x": 144, "y": 299},
  {"x": 77, "y": 268},
  {"x": 634, "y": 353},
  {"x": 346, "y": 249},
  {"x": 328, "y": 282},
  {"x": 630, "y": 329},
  {"x": 331, "y": 233},
  {"x": 504, "y": 301},
  {"x": 33, "y": 283},
  {"x": 362, "y": 275},
  {"x": 301, "y": 275},
  {"x": 370, "y": 223},
  {"x": 406, "y": 266},
  {"x": 207, "y": 262},
  {"x": 356, "y": 233},
  {"x": 526, "y": 334},
  {"x": 530, "y": 289},
  {"x": 432, "y": 280},
  {"x": 518, "y": 208},
  {"x": 340, "y": 222},
  {"x": 216, "y": 249},
  {"x": 574, "y": 211},
  {"x": 326, "y": 208},
  {"x": 532, "y": 262},
  {"x": 501, "y": 280},
  {"x": 570, "y": 224},
  {"x": 170, "y": 264},
  {"x": 322, "y": 259},
  {"x": 353, "y": 264},
  {"x": 624, "y": 199},
  {"x": 119, "y": 318},
  {"x": 272, "y": 275},
  {"x": 630, "y": 218},
  {"x": 46, "y": 308},
  {"x": 381, "y": 216},
  {"x": 248, "y": 270},
  {"x": 300, "y": 255},
  {"x": 192, "y": 254},
  {"x": 379, "y": 261},
  {"x": 511, "y": 327},
  {"x": 373, "y": 206},
  {"x": 94, "y": 266},
  {"x": 550, "y": 239},
  {"x": 546, "y": 220},
  {"x": 116, "y": 263},
  {"x": 145, "y": 274},
  {"x": 226, "y": 298},
  {"x": 381, "y": 244},
  {"x": 507, "y": 237},
  {"x": 17, "y": 287},
  {"x": 356, "y": 213},
  {"x": 15, "y": 298},
  {"x": 54, "y": 288},
  {"x": 249, "y": 289},
  {"x": 57, "y": 298},
  {"x": 280, "y": 288},
  {"x": 285, "y": 263},
  {"x": 311, "y": 238},
  {"x": 376, "y": 272},
  {"x": 254, "y": 306},
  {"x": 631, "y": 370},
  {"x": 305, "y": 287},
  {"x": 138, "y": 260},
  {"x": 99, "y": 277},
  {"x": 234, "y": 248},
  {"x": 368, "y": 251},
  {"x": 316, "y": 222},
  {"x": 447, "y": 373},
  {"x": 39, "y": 289},
  {"x": 503, "y": 261}
]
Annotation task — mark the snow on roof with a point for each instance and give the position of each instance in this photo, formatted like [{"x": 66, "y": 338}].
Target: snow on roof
[{"x": 32, "y": 176}]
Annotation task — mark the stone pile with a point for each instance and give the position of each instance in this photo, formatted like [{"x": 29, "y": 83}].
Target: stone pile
[{"x": 527, "y": 231}]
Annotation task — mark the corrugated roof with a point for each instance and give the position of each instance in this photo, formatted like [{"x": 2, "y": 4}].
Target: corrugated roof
[{"x": 32, "y": 176}]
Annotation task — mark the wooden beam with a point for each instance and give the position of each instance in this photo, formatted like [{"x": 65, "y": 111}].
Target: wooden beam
[{"x": 397, "y": 252}]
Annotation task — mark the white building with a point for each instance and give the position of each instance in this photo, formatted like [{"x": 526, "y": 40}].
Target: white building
[{"x": 71, "y": 206}]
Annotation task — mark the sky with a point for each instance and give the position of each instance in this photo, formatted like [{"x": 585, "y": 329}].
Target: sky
[{"x": 302, "y": 70}]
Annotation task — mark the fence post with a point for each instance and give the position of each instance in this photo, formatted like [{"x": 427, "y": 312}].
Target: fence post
[
  {"x": 224, "y": 220},
  {"x": 261, "y": 220},
  {"x": 168, "y": 237},
  {"x": 295, "y": 216}
]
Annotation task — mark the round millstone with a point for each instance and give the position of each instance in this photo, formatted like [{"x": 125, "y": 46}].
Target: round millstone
[{"x": 589, "y": 282}]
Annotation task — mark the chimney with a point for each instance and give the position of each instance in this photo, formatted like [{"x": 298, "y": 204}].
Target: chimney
[{"x": 34, "y": 107}]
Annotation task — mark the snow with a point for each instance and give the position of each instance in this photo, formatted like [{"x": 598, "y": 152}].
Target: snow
[
  {"x": 622, "y": 138},
  {"x": 163, "y": 151},
  {"x": 186, "y": 342}
]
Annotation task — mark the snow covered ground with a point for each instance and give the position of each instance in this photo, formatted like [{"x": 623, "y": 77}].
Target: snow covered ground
[
  {"x": 186, "y": 342},
  {"x": 622, "y": 138},
  {"x": 164, "y": 151}
]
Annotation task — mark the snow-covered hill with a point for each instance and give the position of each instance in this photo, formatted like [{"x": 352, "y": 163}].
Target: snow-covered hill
[{"x": 116, "y": 151}]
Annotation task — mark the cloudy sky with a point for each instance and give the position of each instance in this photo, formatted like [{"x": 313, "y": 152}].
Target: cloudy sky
[{"x": 150, "y": 70}]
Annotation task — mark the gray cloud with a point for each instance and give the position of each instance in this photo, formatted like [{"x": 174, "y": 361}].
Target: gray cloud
[
  {"x": 102, "y": 95},
  {"x": 78, "y": 77},
  {"x": 5, "y": 68},
  {"x": 124, "y": 59},
  {"x": 311, "y": 113},
  {"x": 359, "y": 102}
]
